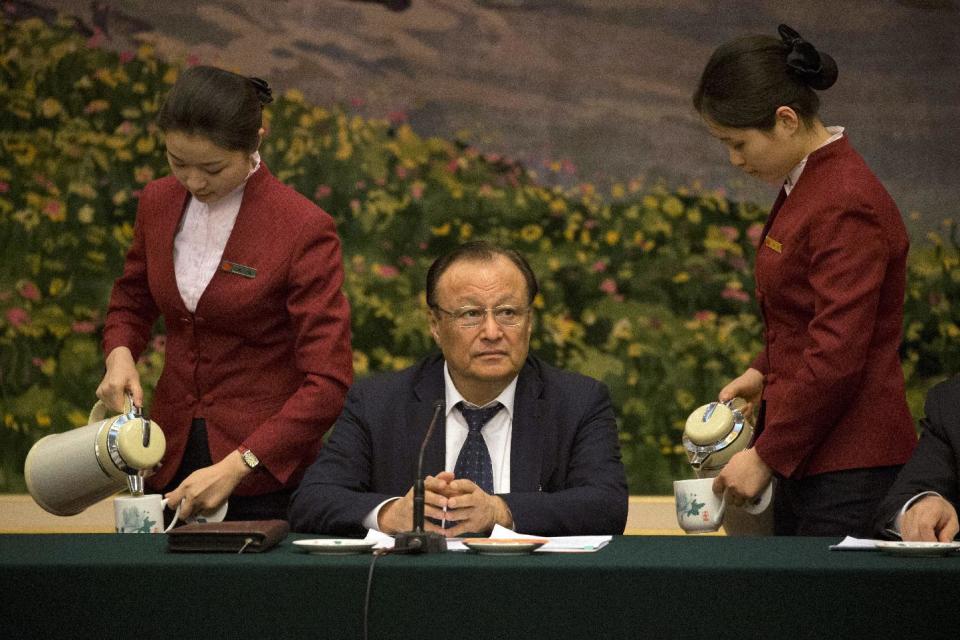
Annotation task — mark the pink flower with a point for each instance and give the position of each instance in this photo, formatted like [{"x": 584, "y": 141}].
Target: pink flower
[
  {"x": 738, "y": 263},
  {"x": 416, "y": 191},
  {"x": 355, "y": 205},
  {"x": 406, "y": 261},
  {"x": 54, "y": 210},
  {"x": 568, "y": 167},
  {"x": 730, "y": 233},
  {"x": 599, "y": 266},
  {"x": 589, "y": 224},
  {"x": 361, "y": 184},
  {"x": 397, "y": 117},
  {"x": 754, "y": 232},
  {"x": 356, "y": 103},
  {"x": 609, "y": 286},
  {"x": 735, "y": 294},
  {"x": 96, "y": 40},
  {"x": 17, "y": 317},
  {"x": 322, "y": 191},
  {"x": 126, "y": 127},
  {"x": 703, "y": 316},
  {"x": 4, "y": 187},
  {"x": 126, "y": 56},
  {"x": 386, "y": 271},
  {"x": 492, "y": 158},
  {"x": 193, "y": 60},
  {"x": 423, "y": 246},
  {"x": 29, "y": 290},
  {"x": 401, "y": 171},
  {"x": 380, "y": 181},
  {"x": 453, "y": 165},
  {"x": 83, "y": 326}
]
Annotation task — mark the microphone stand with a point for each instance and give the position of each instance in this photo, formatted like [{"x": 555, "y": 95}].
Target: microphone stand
[{"x": 418, "y": 540}]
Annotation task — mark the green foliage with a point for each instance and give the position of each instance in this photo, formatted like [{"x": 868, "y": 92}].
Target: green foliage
[{"x": 645, "y": 288}]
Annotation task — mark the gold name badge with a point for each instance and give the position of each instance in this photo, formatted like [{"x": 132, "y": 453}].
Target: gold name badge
[
  {"x": 239, "y": 269},
  {"x": 773, "y": 244}
]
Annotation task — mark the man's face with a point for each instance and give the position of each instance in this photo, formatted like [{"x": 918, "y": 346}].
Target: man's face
[{"x": 485, "y": 358}]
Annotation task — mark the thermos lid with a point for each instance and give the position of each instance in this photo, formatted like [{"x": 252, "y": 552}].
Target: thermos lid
[
  {"x": 710, "y": 423},
  {"x": 130, "y": 444}
]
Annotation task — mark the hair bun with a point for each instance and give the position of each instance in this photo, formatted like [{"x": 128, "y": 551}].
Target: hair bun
[
  {"x": 263, "y": 90},
  {"x": 815, "y": 68}
]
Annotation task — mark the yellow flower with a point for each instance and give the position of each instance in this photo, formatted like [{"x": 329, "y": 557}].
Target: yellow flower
[
  {"x": 77, "y": 418},
  {"x": 466, "y": 231},
  {"x": 617, "y": 190},
  {"x": 442, "y": 230},
  {"x": 694, "y": 216},
  {"x": 684, "y": 398},
  {"x": 170, "y": 76},
  {"x": 681, "y": 277},
  {"x": 294, "y": 95},
  {"x": 612, "y": 237},
  {"x": 953, "y": 331},
  {"x": 56, "y": 286},
  {"x": 50, "y": 107},
  {"x": 146, "y": 145},
  {"x": 361, "y": 363},
  {"x": 85, "y": 214},
  {"x": 120, "y": 197},
  {"x": 531, "y": 232},
  {"x": 538, "y": 302},
  {"x": 635, "y": 350},
  {"x": 558, "y": 205},
  {"x": 42, "y": 418},
  {"x": 48, "y": 367},
  {"x": 673, "y": 207},
  {"x": 622, "y": 329}
]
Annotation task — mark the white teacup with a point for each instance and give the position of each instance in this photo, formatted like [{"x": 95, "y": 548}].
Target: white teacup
[
  {"x": 699, "y": 509},
  {"x": 144, "y": 514},
  {"x": 141, "y": 514},
  {"x": 760, "y": 503}
]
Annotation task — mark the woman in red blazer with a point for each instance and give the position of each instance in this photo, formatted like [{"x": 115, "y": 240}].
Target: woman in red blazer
[
  {"x": 247, "y": 275},
  {"x": 831, "y": 273}
]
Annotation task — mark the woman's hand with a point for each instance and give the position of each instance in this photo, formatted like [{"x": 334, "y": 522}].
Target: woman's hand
[
  {"x": 748, "y": 386},
  {"x": 744, "y": 477},
  {"x": 121, "y": 377},
  {"x": 207, "y": 488}
]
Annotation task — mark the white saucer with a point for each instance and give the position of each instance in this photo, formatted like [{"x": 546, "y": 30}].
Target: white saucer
[
  {"x": 334, "y": 545},
  {"x": 901, "y": 548},
  {"x": 504, "y": 546}
]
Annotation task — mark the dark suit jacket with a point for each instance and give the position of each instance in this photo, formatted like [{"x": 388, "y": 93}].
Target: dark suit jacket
[
  {"x": 265, "y": 360},
  {"x": 935, "y": 465},
  {"x": 831, "y": 272},
  {"x": 566, "y": 477}
]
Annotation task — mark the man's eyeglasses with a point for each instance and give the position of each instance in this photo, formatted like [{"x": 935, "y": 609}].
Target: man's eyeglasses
[{"x": 469, "y": 317}]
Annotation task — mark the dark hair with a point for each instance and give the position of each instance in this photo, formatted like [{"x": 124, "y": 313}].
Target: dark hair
[
  {"x": 481, "y": 251},
  {"x": 220, "y": 105},
  {"x": 748, "y": 79}
]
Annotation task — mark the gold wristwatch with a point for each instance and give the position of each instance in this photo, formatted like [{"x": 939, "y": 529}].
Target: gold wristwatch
[{"x": 249, "y": 458}]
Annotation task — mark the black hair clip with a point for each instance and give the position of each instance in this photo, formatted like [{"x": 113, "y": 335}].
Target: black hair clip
[
  {"x": 263, "y": 90},
  {"x": 817, "y": 69}
]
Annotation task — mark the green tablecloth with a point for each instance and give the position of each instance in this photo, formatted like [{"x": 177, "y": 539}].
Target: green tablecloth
[{"x": 128, "y": 586}]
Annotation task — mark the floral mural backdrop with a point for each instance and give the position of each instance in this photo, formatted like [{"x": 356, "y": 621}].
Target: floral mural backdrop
[{"x": 646, "y": 286}]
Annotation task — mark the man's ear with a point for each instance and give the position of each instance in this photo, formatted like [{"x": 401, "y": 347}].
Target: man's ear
[{"x": 434, "y": 326}]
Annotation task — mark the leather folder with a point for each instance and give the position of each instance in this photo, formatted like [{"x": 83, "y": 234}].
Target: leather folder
[{"x": 239, "y": 536}]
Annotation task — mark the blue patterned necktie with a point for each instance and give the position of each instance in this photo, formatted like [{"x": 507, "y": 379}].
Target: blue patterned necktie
[{"x": 474, "y": 463}]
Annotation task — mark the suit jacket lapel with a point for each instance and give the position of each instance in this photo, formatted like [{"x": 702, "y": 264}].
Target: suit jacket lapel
[
  {"x": 428, "y": 388},
  {"x": 526, "y": 443}
]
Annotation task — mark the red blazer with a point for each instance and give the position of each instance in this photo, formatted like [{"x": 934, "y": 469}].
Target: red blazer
[
  {"x": 265, "y": 360},
  {"x": 831, "y": 274}
]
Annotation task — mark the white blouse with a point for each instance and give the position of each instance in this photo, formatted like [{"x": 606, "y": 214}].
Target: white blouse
[{"x": 201, "y": 238}]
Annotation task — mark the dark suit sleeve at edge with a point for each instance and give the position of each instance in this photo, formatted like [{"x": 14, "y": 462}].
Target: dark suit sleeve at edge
[
  {"x": 593, "y": 499},
  {"x": 933, "y": 466},
  {"x": 334, "y": 496}
]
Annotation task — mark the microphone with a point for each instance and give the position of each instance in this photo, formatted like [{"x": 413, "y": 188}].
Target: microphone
[{"x": 417, "y": 540}]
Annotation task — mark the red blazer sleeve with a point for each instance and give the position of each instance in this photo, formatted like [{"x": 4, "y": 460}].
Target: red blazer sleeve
[
  {"x": 132, "y": 311},
  {"x": 321, "y": 318}
]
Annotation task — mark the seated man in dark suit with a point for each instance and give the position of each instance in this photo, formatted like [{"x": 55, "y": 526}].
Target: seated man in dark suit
[
  {"x": 922, "y": 504},
  {"x": 519, "y": 443}
]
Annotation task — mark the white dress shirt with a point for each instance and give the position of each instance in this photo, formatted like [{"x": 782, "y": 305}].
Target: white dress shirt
[
  {"x": 201, "y": 239},
  {"x": 496, "y": 433}
]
